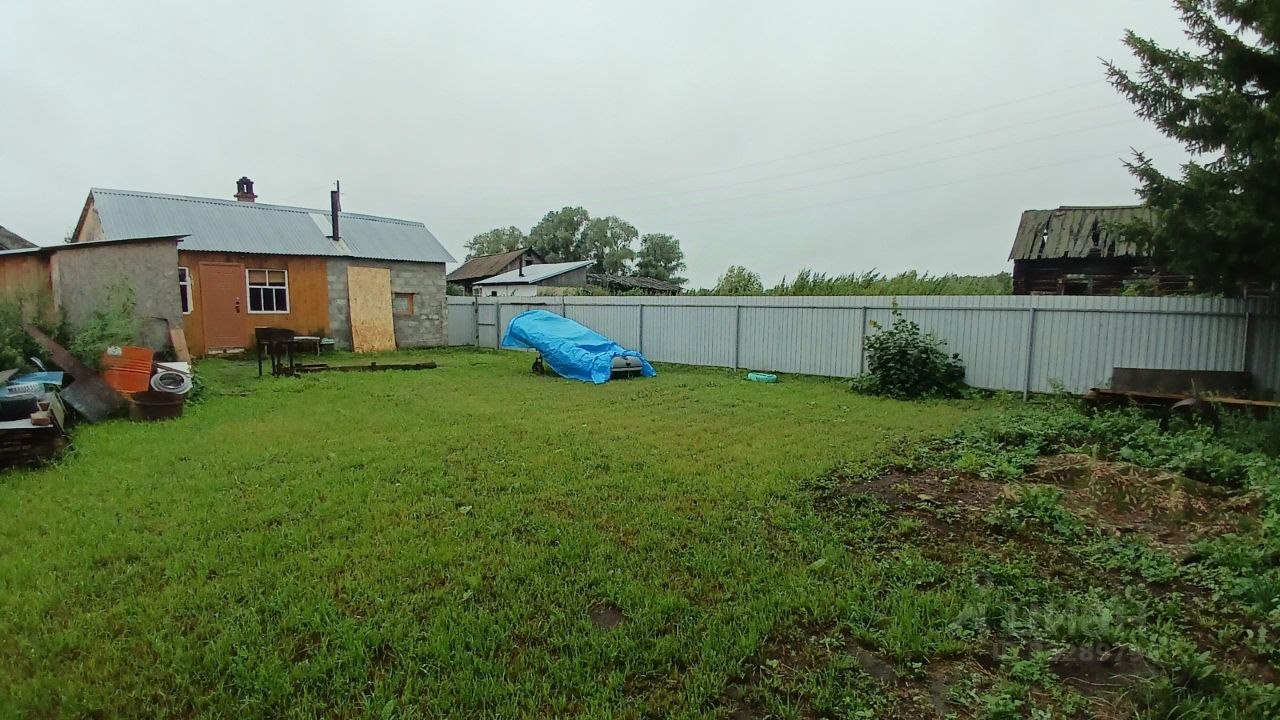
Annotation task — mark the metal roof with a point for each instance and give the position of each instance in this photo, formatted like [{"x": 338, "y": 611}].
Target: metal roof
[
  {"x": 483, "y": 266},
  {"x": 1075, "y": 232},
  {"x": 534, "y": 274},
  {"x": 10, "y": 240},
  {"x": 214, "y": 225}
]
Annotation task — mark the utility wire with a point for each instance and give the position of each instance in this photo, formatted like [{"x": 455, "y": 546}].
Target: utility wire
[
  {"x": 898, "y": 168},
  {"x": 922, "y": 188},
  {"x": 892, "y": 153},
  {"x": 866, "y": 138}
]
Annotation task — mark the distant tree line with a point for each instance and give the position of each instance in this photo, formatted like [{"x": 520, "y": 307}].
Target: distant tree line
[
  {"x": 738, "y": 280},
  {"x": 570, "y": 233}
]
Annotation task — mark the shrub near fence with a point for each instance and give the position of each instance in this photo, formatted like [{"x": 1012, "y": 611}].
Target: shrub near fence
[{"x": 1020, "y": 343}]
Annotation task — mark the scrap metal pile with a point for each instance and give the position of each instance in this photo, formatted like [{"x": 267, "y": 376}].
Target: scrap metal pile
[{"x": 37, "y": 408}]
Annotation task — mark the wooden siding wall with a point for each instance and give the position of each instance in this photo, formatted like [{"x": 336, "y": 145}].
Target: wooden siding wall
[
  {"x": 308, "y": 295},
  {"x": 24, "y": 274}
]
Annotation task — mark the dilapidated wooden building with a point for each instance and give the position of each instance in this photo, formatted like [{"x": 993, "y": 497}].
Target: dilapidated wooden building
[{"x": 1081, "y": 251}]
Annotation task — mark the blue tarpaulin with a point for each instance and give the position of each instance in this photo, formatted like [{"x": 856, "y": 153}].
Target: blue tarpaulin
[{"x": 571, "y": 349}]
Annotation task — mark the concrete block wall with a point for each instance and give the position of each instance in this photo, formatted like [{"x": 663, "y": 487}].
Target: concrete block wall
[
  {"x": 83, "y": 275},
  {"x": 426, "y": 327}
]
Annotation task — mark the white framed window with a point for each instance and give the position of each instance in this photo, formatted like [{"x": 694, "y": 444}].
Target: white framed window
[
  {"x": 268, "y": 290},
  {"x": 184, "y": 290}
]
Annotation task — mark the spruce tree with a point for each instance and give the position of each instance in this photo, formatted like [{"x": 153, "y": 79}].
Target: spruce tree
[{"x": 1219, "y": 221}]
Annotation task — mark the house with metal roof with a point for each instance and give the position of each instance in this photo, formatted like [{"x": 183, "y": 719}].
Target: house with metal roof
[
  {"x": 368, "y": 282},
  {"x": 1082, "y": 251},
  {"x": 533, "y": 280},
  {"x": 483, "y": 267}
]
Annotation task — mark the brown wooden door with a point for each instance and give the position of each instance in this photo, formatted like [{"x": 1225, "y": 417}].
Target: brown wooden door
[{"x": 222, "y": 304}]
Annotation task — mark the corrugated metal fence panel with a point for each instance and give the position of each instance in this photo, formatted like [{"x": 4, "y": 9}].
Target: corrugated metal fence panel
[
  {"x": 1076, "y": 342},
  {"x": 697, "y": 335},
  {"x": 462, "y": 320},
  {"x": 621, "y": 323},
  {"x": 1264, "y": 351},
  {"x": 811, "y": 340}
]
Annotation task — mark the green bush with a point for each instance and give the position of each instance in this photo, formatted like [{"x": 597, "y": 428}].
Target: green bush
[
  {"x": 906, "y": 363},
  {"x": 16, "y": 346},
  {"x": 114, "y": 322}
]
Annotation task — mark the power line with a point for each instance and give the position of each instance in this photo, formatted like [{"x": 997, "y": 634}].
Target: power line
[
  {"x": 892, "y": 153},
  {"x": 866, "y": 138},
  {"x": 885, "y": 171},
  {"x": 937, "y": 186}
]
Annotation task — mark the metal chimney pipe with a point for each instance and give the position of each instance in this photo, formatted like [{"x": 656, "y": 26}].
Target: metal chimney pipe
[
  {"x": 522, "y": 265},
  {"x": 335, "y": 206}
]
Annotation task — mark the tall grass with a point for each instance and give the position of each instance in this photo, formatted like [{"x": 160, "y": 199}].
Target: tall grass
[{"x": 872, "y": 282}]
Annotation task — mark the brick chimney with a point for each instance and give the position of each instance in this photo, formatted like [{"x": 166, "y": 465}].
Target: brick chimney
[{"x": 244, "y": 190}]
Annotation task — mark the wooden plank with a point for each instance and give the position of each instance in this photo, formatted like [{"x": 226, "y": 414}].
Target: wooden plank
[
  {"x": 178, "y": 337},
  {"x": 369, "y": 297}
]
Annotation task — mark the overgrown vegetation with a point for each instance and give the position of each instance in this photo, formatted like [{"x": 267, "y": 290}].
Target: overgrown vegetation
[
  {"x": 114, "y": 321},
  {"x": 16, "y": 347},
  {"x": 907, "y": 363},
  {"x": 258, "y": 558},
  {"x": 872, "y": 282}
]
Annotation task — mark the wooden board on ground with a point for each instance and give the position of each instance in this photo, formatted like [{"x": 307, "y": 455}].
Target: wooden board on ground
[
  {"x": 369, "y": 297},
  {"x": 178, "y": 337}
]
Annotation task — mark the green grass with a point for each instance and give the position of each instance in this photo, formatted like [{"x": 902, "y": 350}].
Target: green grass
[{"x": 431, "y": 544}]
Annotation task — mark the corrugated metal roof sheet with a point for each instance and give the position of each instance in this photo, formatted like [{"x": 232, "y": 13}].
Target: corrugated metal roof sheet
[
  {"x": 1070, "y": 232},
  {"x": 483, "y": 266},
  {"x": 215, "y": 225},
  {"x": 534, "y": 274}
]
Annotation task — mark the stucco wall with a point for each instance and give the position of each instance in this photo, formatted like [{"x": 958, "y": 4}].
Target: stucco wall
[
  {"x": 83, "y": 277},
  {"x": 426, "y": 327}
]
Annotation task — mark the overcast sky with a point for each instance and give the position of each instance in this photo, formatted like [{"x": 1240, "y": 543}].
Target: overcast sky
[{"x": 842, "y": 136}]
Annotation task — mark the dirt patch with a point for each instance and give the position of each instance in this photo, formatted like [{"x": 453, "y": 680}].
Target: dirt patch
[
  {"x": 1095, "y": 668},
  {"x": 606, "y": 615},
  {"x": 1165, "y": 507},
  {"x": 784, "y": 662}
]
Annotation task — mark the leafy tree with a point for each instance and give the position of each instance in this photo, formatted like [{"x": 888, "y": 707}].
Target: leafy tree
[
  {"x": 738, "y": 280},
  {"x": 660, "y": 258},
  {"x": 495, "y": 241},
  {"x": 558, "y": 235},
  {"x": 608, "y": 242},
  {"x": 1220, "y": 221}
]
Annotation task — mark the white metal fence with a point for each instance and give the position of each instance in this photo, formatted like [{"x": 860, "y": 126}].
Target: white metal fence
[{"x": 1022, "y": 343}]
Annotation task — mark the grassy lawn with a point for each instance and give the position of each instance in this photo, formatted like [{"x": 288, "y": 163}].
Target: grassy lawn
[
  {"x": 478, "y": 541},
  {"x": 467, "y": 541}
]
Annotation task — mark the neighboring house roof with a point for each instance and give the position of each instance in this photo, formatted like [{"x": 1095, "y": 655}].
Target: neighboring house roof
[
  {"x": 630, "y": 282},
  {"x": 1075, "y": 232},
  {"x": 10, "y": 240},
  {"x": 484, "y": 266},
  {"x": 534, "y": 274},
  {"x": 232, "y": 226}
]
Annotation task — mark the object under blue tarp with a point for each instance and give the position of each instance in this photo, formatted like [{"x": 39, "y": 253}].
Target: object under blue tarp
[{"x": 570, "y": 348}]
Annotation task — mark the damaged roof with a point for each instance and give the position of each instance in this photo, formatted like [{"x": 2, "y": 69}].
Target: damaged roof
[
  {"x": 483, "y": 266},
  {"x": 632, "y": 282},
  {"x": 10, "y": 240},
  {"x": 214, "y": 225},
  {"x": 1075, "y": 232}
]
